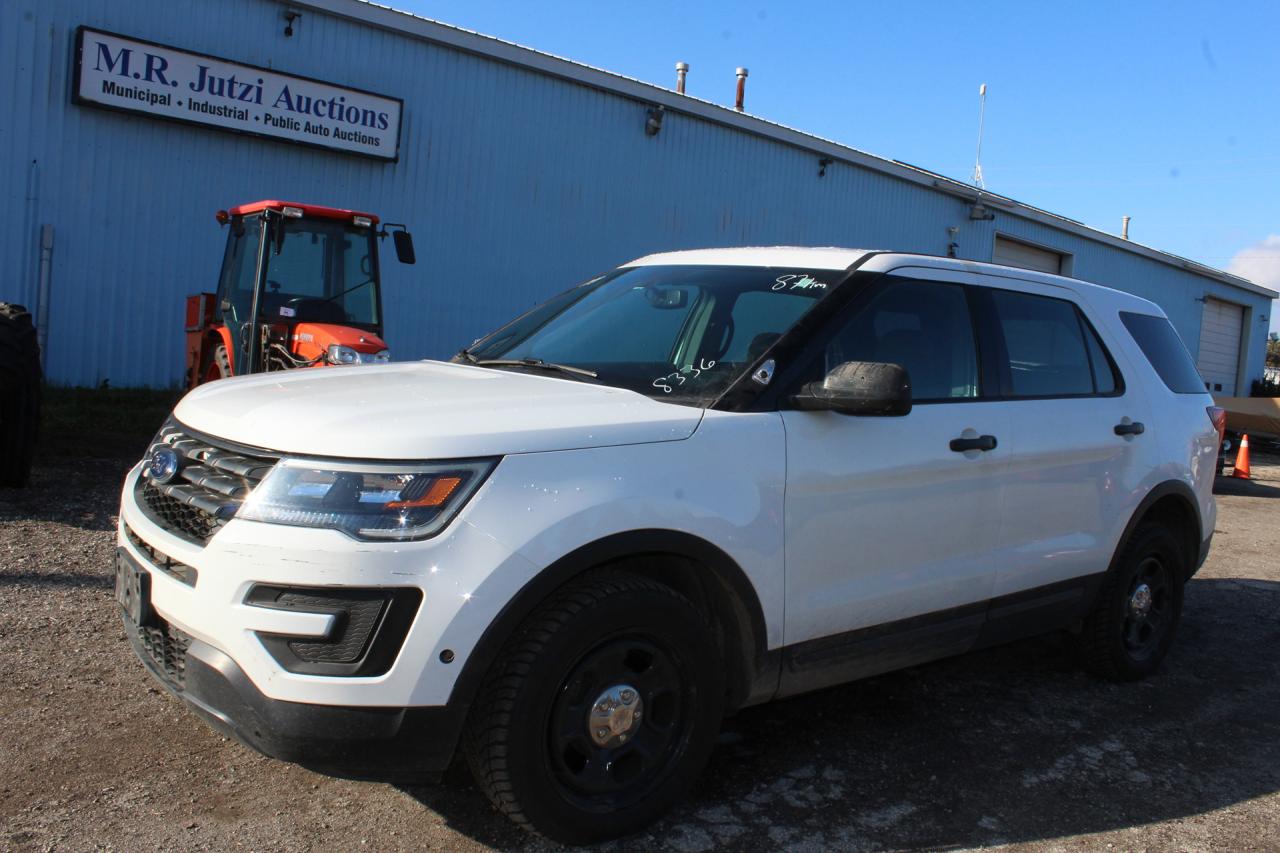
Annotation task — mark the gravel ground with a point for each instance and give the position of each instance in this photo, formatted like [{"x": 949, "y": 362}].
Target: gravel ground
[{"x": 1011, "y": 746}]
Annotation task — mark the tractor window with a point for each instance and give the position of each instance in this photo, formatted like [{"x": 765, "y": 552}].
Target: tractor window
[
  {"x": 300, "y": 265},
  {"x": 323, "y": 274},
  {"x": 238, "y": 268}
]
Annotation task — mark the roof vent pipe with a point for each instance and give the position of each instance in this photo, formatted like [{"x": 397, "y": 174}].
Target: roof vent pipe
[
  {"x": 1124, "y": 228},
  {"x": 742, "y": 89},
  {"x": 682, "y": 68}
]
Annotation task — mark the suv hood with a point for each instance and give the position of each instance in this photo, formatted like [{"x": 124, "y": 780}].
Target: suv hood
[{"x": 426, "y": 410}]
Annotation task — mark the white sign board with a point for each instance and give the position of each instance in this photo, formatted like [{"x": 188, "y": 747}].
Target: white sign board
[{"x": 141, "y": 77}]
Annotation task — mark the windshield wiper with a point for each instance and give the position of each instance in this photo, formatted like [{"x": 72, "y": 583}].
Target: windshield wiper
[
  {"x": 466, "y": 354},
  {"x": 529, "y": 362}
]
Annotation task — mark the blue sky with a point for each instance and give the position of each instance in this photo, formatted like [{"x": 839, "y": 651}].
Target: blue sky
[{"x": 1165, "y": 112}]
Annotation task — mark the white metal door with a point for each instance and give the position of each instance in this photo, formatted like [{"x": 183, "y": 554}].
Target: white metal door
[
  {"x": 1219, "y": 357},
  {"x": 1076, "y": 459},
  {"x": 883, "y": 520},
  {"x": 1011, "y": 253}
]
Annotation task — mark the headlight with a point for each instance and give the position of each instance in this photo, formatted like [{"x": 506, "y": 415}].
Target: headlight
[
  {"x": 339, "y": 354},
  {"x": 366, "y": 501}
]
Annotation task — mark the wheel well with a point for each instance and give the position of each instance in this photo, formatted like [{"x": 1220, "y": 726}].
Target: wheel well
[
  {"x": 1174, "y": 512},
  {"x": 730, "y": 617},
  {"x": 695, "y": 568},
  {"x": 1170, "y": 506}
]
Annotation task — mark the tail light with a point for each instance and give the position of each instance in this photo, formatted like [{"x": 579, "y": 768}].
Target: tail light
[{"x": 1218, "y": 416}]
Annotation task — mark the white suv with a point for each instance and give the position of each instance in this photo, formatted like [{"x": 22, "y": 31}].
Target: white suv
[{"x": 703, "y": 481}]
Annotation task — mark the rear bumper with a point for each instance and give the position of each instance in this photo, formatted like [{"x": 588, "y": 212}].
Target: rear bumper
[{"x": 388, "y": 744}]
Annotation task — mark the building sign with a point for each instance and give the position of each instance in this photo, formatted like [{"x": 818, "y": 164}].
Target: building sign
[{"x": 141, "y": 77}]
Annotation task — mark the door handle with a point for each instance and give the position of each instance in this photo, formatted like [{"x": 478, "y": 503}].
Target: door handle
[
  {"x": 1135, "y": 428},
  {"x": 982, "y": 442}
]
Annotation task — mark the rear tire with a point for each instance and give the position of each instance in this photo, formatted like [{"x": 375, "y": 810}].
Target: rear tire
[
  {"x": 19, "y": 394},
  {"x": 600, "y": 712},
  {"x": 1135, "y": 618},
  {"x": 217, "y": 366}
]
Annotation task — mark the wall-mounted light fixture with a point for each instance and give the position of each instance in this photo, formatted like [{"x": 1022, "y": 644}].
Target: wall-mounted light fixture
[
  {"x": 953, "y": 248},
  {"x": 653, "y": 120},
  {"x": 823, "y": 163},
  {"x": 979, "y": 211},
  {"x": 290, "y": 16}
]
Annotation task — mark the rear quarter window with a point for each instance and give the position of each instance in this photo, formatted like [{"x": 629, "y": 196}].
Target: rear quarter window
[{"x": 1166, "y": 352}]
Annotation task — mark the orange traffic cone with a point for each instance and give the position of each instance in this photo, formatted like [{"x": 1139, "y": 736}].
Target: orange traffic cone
[{"x": 1241, "y": 468}]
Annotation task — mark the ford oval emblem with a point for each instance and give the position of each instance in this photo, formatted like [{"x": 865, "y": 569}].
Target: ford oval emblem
[{"x": 163, "y": 465}]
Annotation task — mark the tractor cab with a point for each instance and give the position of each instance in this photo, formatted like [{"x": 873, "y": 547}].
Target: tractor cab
[{"x": 299, "y": 287}]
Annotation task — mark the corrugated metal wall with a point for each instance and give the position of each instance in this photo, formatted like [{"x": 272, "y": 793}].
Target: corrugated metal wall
[{"x": 515, "y": 185}]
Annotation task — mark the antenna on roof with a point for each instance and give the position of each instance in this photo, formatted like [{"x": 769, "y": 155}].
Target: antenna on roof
[{"x": 977, "y": 161}]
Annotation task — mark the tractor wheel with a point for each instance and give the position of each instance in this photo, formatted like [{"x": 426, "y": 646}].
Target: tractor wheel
[
  {"x": 217, "y": 366},
  {"x": 19, "y": 394}
]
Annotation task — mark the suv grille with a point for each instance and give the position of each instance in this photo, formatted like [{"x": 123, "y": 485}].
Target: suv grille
[
  {"x": 207, "y": 490},
  {"x": 171, "y": 567}
]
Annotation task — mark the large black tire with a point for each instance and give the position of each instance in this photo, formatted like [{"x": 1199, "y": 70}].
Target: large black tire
[
  {"x": 1136, "y": 615},
  {"x": 19, "y": 394},
  {"x": 610, "y": 636}
]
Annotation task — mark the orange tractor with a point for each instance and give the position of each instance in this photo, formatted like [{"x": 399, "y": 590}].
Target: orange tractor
[{"x": 299, "y": 287}]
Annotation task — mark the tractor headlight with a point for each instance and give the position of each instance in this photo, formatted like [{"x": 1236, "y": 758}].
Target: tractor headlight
[
  {"x": 366, "y": 501},
  {"x": 339, "y": 354}
]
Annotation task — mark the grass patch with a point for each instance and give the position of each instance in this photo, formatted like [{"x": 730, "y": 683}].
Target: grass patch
[{"x": 102, "y": 422}]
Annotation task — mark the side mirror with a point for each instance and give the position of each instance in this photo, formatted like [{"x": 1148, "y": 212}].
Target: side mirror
[
  {"x": 860, "y": 388},
  {"x": 404, "y": 247}
]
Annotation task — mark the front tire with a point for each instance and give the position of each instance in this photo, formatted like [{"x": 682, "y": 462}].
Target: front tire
[
  {"x": 1133, "y": 622},
  {"x": 600, "y": 712}
]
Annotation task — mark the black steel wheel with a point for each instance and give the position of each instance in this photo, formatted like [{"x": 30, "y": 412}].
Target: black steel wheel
[
  {"x": 1132, "y": 625},
  {"x": 601, "y": 712},
  {"x": 19, "y": 394},
  {"x": 617, "y": 723},
  {"x": 1147, "y": 615}
]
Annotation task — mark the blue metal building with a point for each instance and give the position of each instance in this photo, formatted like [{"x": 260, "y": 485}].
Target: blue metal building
[{"x": 519, "y": 174}]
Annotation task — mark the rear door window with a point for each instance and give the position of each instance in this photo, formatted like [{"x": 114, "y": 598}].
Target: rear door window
[
  {"x": 1051, "y": 351},
  {"x": 1166, "y": 352}
]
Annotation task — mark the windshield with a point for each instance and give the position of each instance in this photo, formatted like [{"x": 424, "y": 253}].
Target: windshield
[
  {"x": 324, "y": 273},
  {"x": 677, "y": 333}
]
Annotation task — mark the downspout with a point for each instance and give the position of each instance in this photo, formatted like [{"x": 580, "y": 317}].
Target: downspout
[
  {"x": 30, "y": 269},
  {"x": 42, "y": 296}
]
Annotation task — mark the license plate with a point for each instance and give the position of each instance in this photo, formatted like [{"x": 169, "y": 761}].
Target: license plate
[{"x": 133, "y": 589}]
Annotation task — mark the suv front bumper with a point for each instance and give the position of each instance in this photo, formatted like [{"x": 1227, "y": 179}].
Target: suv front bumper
[{"x": 388, "y": 744}]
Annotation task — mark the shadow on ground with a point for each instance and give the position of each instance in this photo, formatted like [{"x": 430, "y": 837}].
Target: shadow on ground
[
  {"x": 1010, "y": 744},
  {"x": 1245, "y": 488},
  {"x": 56, "y": 493}
]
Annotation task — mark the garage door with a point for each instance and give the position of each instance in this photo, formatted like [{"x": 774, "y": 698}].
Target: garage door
[
  {"x": 1219, "y": 356},
  {"x": 1014, "y": 254}
]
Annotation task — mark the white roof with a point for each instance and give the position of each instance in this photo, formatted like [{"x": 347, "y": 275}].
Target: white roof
[
  {"x": 803, "y": 258},
  {"x": 800, "y": 257}
]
